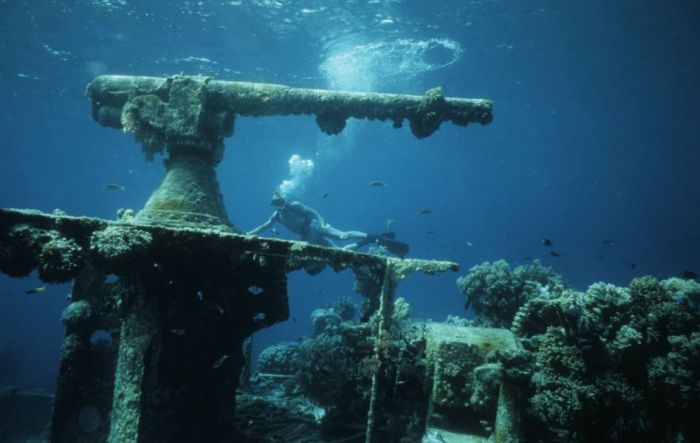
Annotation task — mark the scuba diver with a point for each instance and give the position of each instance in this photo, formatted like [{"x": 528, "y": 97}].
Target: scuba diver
[{"x": 312, "y": 228}]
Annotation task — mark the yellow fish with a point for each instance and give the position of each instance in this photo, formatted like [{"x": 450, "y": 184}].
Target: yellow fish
[{"x": 35, "y": 290}]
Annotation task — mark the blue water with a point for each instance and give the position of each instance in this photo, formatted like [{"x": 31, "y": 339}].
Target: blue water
[{"x": 595, "y": 135}]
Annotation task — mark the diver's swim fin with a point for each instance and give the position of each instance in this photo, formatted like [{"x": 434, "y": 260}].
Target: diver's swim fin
[
  {"x": 394, "y": 246},
  {"x": 374, "y": 238}
]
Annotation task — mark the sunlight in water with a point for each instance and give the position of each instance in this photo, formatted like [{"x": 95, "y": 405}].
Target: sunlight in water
[
  {"x": 366, "y": 67},
  {"x": 377, "y": 67}
]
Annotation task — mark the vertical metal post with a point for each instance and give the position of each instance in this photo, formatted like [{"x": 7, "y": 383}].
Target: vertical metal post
[{"x": 385, "y": 310}]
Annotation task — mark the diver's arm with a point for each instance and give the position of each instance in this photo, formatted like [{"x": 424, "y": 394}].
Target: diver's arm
[{"x": 265, "y": 225}]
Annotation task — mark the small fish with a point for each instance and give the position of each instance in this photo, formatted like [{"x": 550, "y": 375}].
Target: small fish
[
  {"x": 389, "y": 223},
  {"x": 527, "y": 258},
  {"x": 598, "y": 255},
  {"x": 200, "y": 295},
  {"x": 294, "y": 319},
  {"x": 547, "y": 242},
  {"x": 260, "y": 316},
  {"x": 430, "y": 231},
  {"x": 27, "y": 76},
  {"x": 220, "y": 361},
  {"x": 630, "y": 264},
  {"x": 325, "y": 195},
  {"x": 425, "y": 212},
  {"x": 377, "y": 184},
  {"x": 554, "y": 254},
  {"x": 214, "y": 307},
  {"x": 255, "y": 290},
  {"x": 35, "y": 290},
  {"x": 689, "y": 275},
  {"x": 179, "y": 332},
  {"x": 113, "y": 187},
  {"x": 470, "y": 244},
  {"x": 608, "y": 241}
]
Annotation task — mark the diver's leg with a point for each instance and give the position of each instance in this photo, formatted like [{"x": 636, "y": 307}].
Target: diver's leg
[
  {"x": 318, "y": 238},
  {"x": 324, "y": 241},
  {"x": 337, "y": 234}
]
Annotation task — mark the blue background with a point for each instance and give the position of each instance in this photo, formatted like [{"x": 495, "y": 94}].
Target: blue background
[{"x": 595, "y": 135}]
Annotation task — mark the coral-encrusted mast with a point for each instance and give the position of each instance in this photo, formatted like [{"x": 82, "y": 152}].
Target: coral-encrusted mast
[
  {"x": 224, "y": 99},
  {"x": 191, "y": 116}
]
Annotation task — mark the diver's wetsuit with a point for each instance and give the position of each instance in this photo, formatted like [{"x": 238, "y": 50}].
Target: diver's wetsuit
[
  {"x": 308, "y": 224},
  {"x": 302, "y": 221}
]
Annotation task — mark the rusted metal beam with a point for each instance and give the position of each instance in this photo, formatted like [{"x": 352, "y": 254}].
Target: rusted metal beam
[{"x": 221, "y": 101}]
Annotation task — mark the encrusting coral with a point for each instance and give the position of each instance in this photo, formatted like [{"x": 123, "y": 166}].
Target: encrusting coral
[
  {"x": 495, "y": 292},
  {"x": 123, "y": 247},
  {"x": 609, "y": 364},
  {"x": 334, "y": 368}
]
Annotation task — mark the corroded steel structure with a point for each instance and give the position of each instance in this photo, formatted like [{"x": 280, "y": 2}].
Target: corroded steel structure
[
  {"x": 163, "y": 299},
  {"x": 156, "y": 352}
]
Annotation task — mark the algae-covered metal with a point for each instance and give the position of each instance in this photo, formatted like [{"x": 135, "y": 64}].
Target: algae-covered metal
[
  {"x": 118, "y": 100},
  {"x": 172, "y": 323}
]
